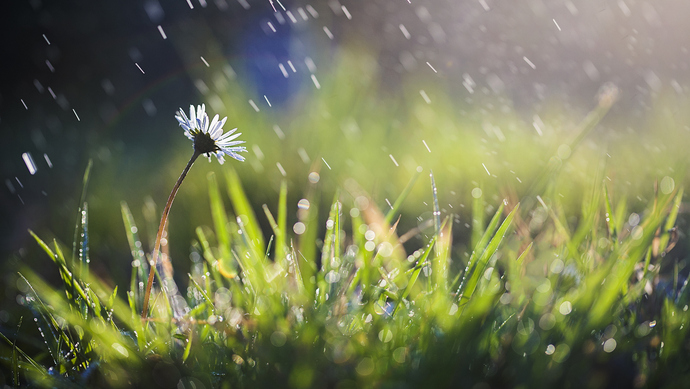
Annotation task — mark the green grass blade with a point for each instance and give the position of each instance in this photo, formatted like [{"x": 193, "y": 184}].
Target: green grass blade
[
  {"x": 401, "y": 198},
  {"x": 281, "y": 238},
  {"x": 478, "y": 221},
  {"x": 243, "y": 208},
  {"x": 415, "y": 274},
  {"x": 480, "y": 246},
  {"x": 82, "y": 200},
  {"x": 483, "y": 262},
  {"x": 441, "y": 260},
  {"x": 610, "y": 221}
]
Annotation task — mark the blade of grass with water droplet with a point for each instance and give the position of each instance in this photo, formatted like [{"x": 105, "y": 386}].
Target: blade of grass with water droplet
[
  {"x": 415, "y": 274},
  {"x": 58, "y": 335},
  {"x": 478, "y": 221},
  {"x": 210, "y": 258},
  {"x": 441, "y": 260},
  {"x": 615, "y": 276},
  {"x": 479, "y": 247},
  {"x": 467, "y": 289},
  {"x": 82, "y": 200},
  {"x": 670, "y": 222},
  {"x": 38, "y": 367},
  {"x": 610, "y": 220},
  {"x": 135, "y": 246},
  {"x": 331, "y": 247},
  {"x": 67, "y": 278}
]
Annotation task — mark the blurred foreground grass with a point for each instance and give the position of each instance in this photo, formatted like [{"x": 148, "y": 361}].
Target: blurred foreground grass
[{"x": 537, "y": 253}]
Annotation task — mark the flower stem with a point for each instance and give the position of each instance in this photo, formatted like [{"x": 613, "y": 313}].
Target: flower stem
[{"x": 161, "y": 228}]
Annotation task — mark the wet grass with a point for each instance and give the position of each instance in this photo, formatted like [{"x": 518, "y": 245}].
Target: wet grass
[
  {"x": 538, "y": 301},
  {"x": 567, "y": 280}
]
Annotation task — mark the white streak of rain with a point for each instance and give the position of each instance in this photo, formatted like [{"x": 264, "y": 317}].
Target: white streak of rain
[
  {"x": 346, "y": 12},
  {"x": 50, "y": 164},
  {"x": 432, "y": 68},
  {"x": 280, "y": 167},
  {"x": 29, "y": 162},
  {"x": 244, "y": 4},
  {"x": 279, "y": 132},
  {"x": 403, "y": 29},
  {"x": 487, "y": 170},
  {"x": 530, "y": 63},
  {"x": 283, "y": 70},
  {"x": 316, "y": 82},
  {"x": 328, "y": 32},
  {"x": 292, "y": 17},
  {"x": 312, "y": 11},
  {"x": 425, "y": 96},
  {"x": 160, "y": 29}
]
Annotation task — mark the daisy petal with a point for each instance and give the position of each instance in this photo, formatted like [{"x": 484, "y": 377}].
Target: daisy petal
[{"x": 214, "y": 122}]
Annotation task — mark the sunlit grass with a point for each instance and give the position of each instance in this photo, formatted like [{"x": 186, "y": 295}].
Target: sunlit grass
[
  {"x": 537, "y": 302},
  {"x": 523, "y": 259}
]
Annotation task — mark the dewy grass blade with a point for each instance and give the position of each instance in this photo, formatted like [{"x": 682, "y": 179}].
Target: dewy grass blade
[
  {"x": 210, "y": 258},
  {"x": 55, "y": 330},
  {"x": 331, "y": 248},
  {"x": 415, "y": 274},
  {"x": 15, "y": 359},
  {"x": 478, "y": 220},
  {"x": 479, "y": 248},
  {"x": 69, "y": 282},
  {"x": 665, "y": 237},
  {"x": 441, "y": 261},
  {"x": 633, "y": 251},
  {"x": 139, "y": 261},
  {"x": 31, "y": 361},
  {"x": 82, "y": 200},
  {"x": 610, "y": 220},
  {"x": 84, "y": 241},
  {"x": 437, "y": 211},
  {"x": 467, "y": 290}
]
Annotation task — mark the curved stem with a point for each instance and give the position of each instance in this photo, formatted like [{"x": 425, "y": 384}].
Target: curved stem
[{"x": 161, "y": 228}]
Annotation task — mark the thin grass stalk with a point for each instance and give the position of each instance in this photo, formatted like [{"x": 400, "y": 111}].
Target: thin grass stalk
[{"x": 161, "y": 228}]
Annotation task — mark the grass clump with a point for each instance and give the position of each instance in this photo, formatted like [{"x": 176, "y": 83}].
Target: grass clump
[
  {"x": 527, "y": 293},
  {"x": 539, "y": 301}
]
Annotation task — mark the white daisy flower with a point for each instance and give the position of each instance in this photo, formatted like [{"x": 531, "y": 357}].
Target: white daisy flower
[{"x": 208, "y": 137}]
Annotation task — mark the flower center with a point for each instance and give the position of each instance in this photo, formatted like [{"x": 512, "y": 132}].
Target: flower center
[{"x": 203, "y": 143}]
